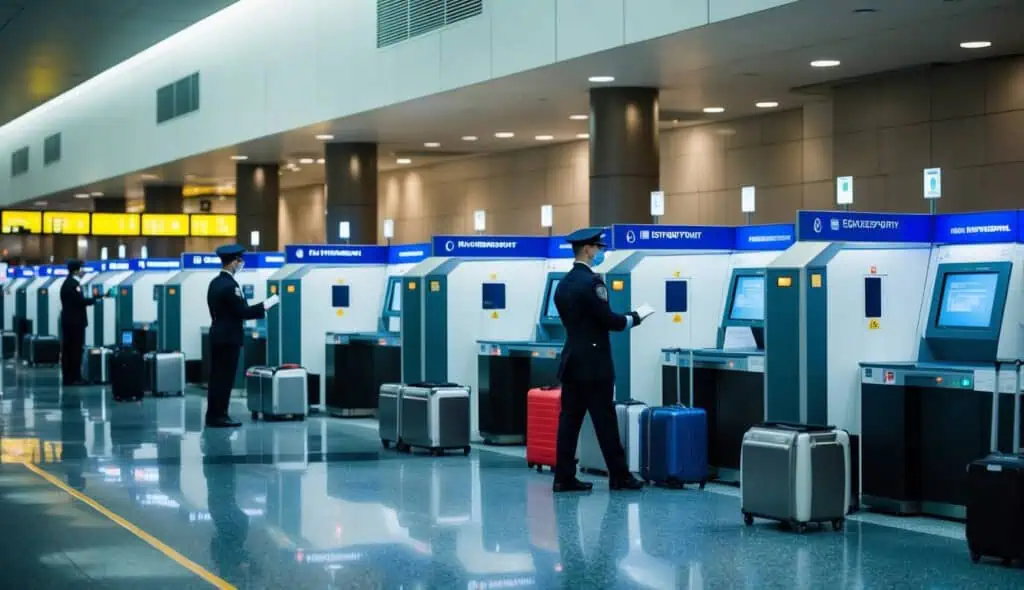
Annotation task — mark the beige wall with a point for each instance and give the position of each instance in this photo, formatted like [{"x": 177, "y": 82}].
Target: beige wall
[{"x": 302, "y": 217}]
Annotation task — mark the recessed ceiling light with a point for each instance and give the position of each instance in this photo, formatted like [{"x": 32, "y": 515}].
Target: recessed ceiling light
[
  {"x": 82, "y": 196},
  {"x": 469, "y": 138},
  {"x": 714, "y": 109},
  {"x": 544, "y": 137},
  {"x": 825, "y": 63},
  {"x": 41, "y": 203},
  {"x": 239, "y": 158},
  {"x": 321, "y": 161},
  {"x": 432, "y": 144},
  {"x": 582, "y": 136},
  {"x": 504, "y": 134},
  {"x": 296, "y": 169},
  {"x": 579, "y": 117},
  {"x": 768, "y": 104},
  {"x": 306, "y": 160},
  {"x": 601, "y": 79},
  {"x": 403, "y": 161},
  {"x": 325, "y": 137},
  {"x": 976, "y": 44},
  {"x": 97, "y": 194}
]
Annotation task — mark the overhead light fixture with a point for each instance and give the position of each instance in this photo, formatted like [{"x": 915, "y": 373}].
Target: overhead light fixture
[
  {"x": 504, "y": 135},
  {"x": 768, "y": 104},
  {"x": 82, "y": 196},
  {"x": 544, "y": 137},
  {"x": 601, "y": 79},
  {"x": 306, "y": 160},
  {"x": 469, "y": 138},
  {"x": 321, "y": 161},
  {"x": 296, "y": 169},
  {"x": 825, "y": 63},
  {"x": 325, "y": 137},
  {"x": 403, "y": 161},
  {"x": 582, "y": 136},
  {"x": 41, "y": 203},
  {"x": 976, "y": 44},
  {"x": 714, "y": 109},
  {"x": 239, "y": 158},
  {"x": 579, "y": 117},
  {"x": 97, "y": 194},
  {"x": 432, "y": 144}
]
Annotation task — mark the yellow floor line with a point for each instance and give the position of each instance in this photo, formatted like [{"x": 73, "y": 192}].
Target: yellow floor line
[{"x": 160, "y": 546}]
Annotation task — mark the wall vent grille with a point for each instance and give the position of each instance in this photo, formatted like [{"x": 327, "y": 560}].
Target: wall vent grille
[{"x": 400, "y": 20}]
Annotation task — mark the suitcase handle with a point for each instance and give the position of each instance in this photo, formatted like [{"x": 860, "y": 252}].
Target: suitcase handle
[
  {"x": 996, "y": 392},
  {"x": 428, "y": 385},
  {"x": 798, "y": 427}
]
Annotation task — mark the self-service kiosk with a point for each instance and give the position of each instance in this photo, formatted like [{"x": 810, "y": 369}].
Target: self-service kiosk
[
  {"x": 474, "y": 288},
  {"x": 18, "y": 277},
  {"x": 137, "y": 297},
  {"x": 48, "y": 303},
  {"x": 102, "y": 315},
  {"x": 28, "y": 297},
  {"x": 357, "y": 364},
  {"x": 928, "y": 411}
]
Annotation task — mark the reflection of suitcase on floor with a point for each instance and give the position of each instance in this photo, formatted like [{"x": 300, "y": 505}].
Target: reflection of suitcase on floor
[
  {"x": 276, "y": 392},
  {"x": 165, "y": 373},
  {"x": 127, "y": 374},
  {"x": 41, "y": 350},
  {"x": 795, "y": 473},
  {"x": 628, "y": 416},
  {"x": 674, "y": 446},
  {"x": 543, "y": 406},
  {"x": 995, "y": 494},
  {"x": 96, "y": 365},
  {"x": 434, "y": 416}
]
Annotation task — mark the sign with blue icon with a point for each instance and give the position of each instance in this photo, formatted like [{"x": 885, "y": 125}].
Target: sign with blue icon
[
  {"x": 200, "y": 261},
  {"x": 673, "y": 237},
  {"x": 25, "y": 272},
  {"x": 408, "y": 253},
  {"x": 159, "y": 264},
  {"x": 559, "y": 248},
  {"x": 263, "y": 259},
  {"x": 335, "y": 254},
  {"x": 847, "y": 226},
  {"x": 123, "y": 264},
  {"x": 933, "y": 183},
  {"x": 765, "y": 237},
  {"x": 844, "y": 190},
  {"x": 989, "y": 227},
  {"x": 491, "y": 246}
]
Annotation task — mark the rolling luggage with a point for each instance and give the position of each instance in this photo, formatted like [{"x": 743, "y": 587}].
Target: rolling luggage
[
  {"x": 9, "y": 344},
  {"x": 434, "y": 416},
  {"x": 995, "y": 492},
  {"x": 165, "y": 373},
  {"x": 543, "y": 406},
  {"x": 127, "y": 374},
  {"x": 96, "y": 365},
  {"x": 277, "y": 392},
  {"x": 795, "y": 473},
  {"x": 41, "y": 350},
  {"x": 674, "y": 446},
  {"x": 628, "y": 416},
  {"x": 389, "y": 413}
]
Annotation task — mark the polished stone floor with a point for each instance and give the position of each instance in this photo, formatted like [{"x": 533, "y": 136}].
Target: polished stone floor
[{"x": 319, "y": 504}]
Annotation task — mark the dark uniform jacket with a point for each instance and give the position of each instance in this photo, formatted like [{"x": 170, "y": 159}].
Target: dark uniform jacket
[
  {"x": 229, "y": 310},
  {"x": 582, "y": 302},
  {"x": 73, "y": 304}
]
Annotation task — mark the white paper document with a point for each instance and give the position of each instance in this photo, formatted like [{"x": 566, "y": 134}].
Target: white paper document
[{"x": 644, "y": 311}]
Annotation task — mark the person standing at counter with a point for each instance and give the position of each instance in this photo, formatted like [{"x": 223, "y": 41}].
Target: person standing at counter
[{"x": 73, "y": 321}]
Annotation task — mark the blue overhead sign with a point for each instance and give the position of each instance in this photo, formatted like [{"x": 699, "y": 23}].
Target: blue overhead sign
[
  {"x": 1020, "y": 226},
  {"x": 91, "y": 266},
  {"x": 491, "y": 246},
  {"x": 159, "y": 264},
  {"x": 123, "y": 264},
  {"x": 989, "y": 227},
  {"x": 336, "y": 254},
  {"x": 25, "y": 272},
  {"x": 765, "y": 237},
  {"x": 264, "y": 259},
  {"x": 559, "y": 248},
  {"x": 848, "y": 226},
  {"x": 408, "y": 253},
  {"x": 673, "y": 237},
  {"x": 59, "y": 271},
  {"x": 200, "y": 261}
]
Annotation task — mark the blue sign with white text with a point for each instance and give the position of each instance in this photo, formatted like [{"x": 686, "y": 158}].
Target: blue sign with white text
[
  {"x": 91, "y": 266},
  {"x": 989, "y": 227},
  {"x": 673, "y": 237},
  {"x": 25, "y": 272},
  {"x": 335, "y": 254},
  {"x": 263, "y": 259},
  {"x": 200, "y": 261},
  {"x": 849, "y": 226},
  {"x": 559, "y": 248},
  {"x": 491, "y": 246},
  {"x": 59, "y": 271},
  {"x": 765, "y": 237},
  {"x": 159, "y": 264},
  {"x": 1020, "y": 226},
  {"x": 123, "y": 264},
  {"x": 408, "y": 253}
]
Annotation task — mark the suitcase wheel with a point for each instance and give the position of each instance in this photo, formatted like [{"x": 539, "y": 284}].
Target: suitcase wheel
[
  {"x": 800, "y": 527},
  {"x": 975, "y": 556},
  {"x": 465, "y": 451},
  {"x": 530, "y": 465},
  {"x": 837, "y": 524},
  {"x": 436, "y": 452},
  {"x": 748, "y": 519},
  {"x": 255, "y": 416},
  {"x": 403, "y": 448},
  {"x": 703, "y": 483},
  {"x": 385, "y": 443}
]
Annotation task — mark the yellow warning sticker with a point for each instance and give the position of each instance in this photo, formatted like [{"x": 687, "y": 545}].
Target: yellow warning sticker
[
  {"x": 874, "y": 324},
  {"x": 494, "y": 315},
  {"x": 677, "y": 319}
]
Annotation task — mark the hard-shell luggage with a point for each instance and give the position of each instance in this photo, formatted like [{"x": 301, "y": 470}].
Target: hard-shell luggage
[
  {"x": 995, "y": 491},
  {"x": 41, "y": 350},
  {"x": 627, "y": 414},
  {"x": 389, "y": 411},
  {"x": 9, "y": 344},
  {"x": 674, "y": 446},
  {"x": 434, "y": 416},
  {"x": 127, "y": 374},
  {"x": 165, "y": 373},
  {"x": 277, "y": 392},
  {"x": 96, "y": 365},
  {"x": 795, "y": 473},
  {"x": 543, "y": 407}
]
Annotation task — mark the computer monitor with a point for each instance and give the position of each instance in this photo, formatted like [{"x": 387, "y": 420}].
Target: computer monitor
[
  {"x": 127, "y": 338},
  {"x": 550, "y": 309},
  {"x": 967, "y": 300},
  {"x": 492, "y": 296},
  {"x": 339, "y": 296},
  {"x": 248, "y": 291},
  {"x": 747, "y": 298}
]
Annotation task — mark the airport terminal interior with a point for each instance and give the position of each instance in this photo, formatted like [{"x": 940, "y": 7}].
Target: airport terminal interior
[{"x": 819, "y": 201}]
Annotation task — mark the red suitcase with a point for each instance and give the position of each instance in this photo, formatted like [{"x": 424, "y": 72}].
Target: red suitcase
[{"x": 543, "y": 405}]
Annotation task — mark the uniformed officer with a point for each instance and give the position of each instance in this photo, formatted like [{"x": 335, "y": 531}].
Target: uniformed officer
[
  {"x": 73, "y": 321},
  {"x": 586, "y": 371},
  {"x": 228, "y": 312}
]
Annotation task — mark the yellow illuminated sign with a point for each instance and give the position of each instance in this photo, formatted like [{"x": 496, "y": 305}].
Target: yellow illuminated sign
[
  {"x": 66, "y": 222},
  {"x": 815, "y": 281},
  {"x": 196, "y": 190},
  {"x": 31, "y": 221},
  {"x": 165, "y": 225},
  {"x": 115, "y": 224},
  {"x": 618, "y": 285},
  {"x": 784, "y": 282},
  {"x": 214, "y": 226}
]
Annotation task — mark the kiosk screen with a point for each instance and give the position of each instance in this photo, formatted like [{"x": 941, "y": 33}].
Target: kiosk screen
[
  {"x": 550, "y": 309},
  {"x": 748, "y": 299},
  {"x": 967, "y": 300},
  {"x": 395, "y": 304}
]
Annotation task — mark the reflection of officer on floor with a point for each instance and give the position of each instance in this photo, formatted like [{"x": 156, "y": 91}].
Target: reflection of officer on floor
[
  {"x": 231, "y": 525},
  {"x": 228, "y": 312},
  {"x": 73, "y": 454},
  {"x": 597, "y": 568},
  {"x": 586, "y": 372}
]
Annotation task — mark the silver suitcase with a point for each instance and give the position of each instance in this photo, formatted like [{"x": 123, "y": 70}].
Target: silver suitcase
[
  {"x": 165, "y": 373},
  {"x": 96, "y": 365},
  {"x": 434, "y": 417},
  {"x": 591, "y": 459},
  {"x": 275, "y": 393},
  {"x": 795, "y": 473},
  {"x": 389, "y": 413}
]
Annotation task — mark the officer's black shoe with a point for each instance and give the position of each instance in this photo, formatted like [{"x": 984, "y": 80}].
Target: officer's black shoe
[
  {"x": 626, "y": 483},
  {"x": 573, "y": 485},
  {"x": 224, "y": 422}
]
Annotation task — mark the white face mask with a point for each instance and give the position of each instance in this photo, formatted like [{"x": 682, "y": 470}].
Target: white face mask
[{"x": 239, "y": 267}]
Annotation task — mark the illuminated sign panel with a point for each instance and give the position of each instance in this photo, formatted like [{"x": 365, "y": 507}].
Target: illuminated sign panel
[
  {"x": 66, "y": 222},
  {"x": 31, "y": 221},
  {"x": 165, "y": 225},
  {"x": 115, "y": 224},
  {"x": 214, "y": 226}
]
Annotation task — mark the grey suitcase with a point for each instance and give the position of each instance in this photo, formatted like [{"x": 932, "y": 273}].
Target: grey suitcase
[
  {"x": 795, "y": 473},
  {"x": 434, "y": 417},
  {"x": 591, "y": 460},
  {"x": 96, "y": 365},
  {"x": 165, "y": 373},
  {"x": 389, "y": 413},
  {"x": 277, "y": 392}
]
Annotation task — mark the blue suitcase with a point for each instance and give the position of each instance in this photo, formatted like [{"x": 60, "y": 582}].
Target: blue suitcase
[{"x": 674, "y": 446}]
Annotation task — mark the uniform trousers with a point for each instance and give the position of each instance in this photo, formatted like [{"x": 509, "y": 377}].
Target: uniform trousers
[
  {"x": 223, "y": 369},
  {"x": 597, "y": 398},
  {"x": 72, "y": 345}
]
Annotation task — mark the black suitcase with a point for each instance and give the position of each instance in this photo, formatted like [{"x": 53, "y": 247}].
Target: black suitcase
[
  {"x": 995, "y": 492},
  {"x": 127, "y": 374},
  {"x": 41, "y": 350},
  {"x": 9, "y": 345}
]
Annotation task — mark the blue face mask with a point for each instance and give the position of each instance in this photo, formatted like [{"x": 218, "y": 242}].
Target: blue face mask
[{"x": 598, "y": 258}]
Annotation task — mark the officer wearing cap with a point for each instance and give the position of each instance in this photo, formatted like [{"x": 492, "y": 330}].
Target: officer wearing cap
[
  {"x": 228, "y": 312},
  {"x": 73, "y": 321},
  {"x": 586, "y": 371}
]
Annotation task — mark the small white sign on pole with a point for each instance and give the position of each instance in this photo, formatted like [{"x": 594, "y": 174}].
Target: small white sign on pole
[
  {"x": 844, "y": 190},
  {"x": 389, "y": 229},
  {"x": 254, "y": 238},
  {"x": 121, "y": 251},
  {"x": 344, "y": 230},
  {"x": 933, "y": 183},
  {"x": 144, "y": 252},
  {"x": 103, "y": 253},
  {"x": 479, "y": 220},
  {"x": 657, "y": 203},
  {"x": 547, "y": 216},
  {"x": 748, "y": 195}
]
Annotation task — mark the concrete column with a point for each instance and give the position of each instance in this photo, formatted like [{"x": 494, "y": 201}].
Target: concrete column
[
  {"x": 352, "y": 191},
  {"x": 164, "y": 198},
  {"x": 257, "y": 199},
  {"x": 624, "y": 154}
]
